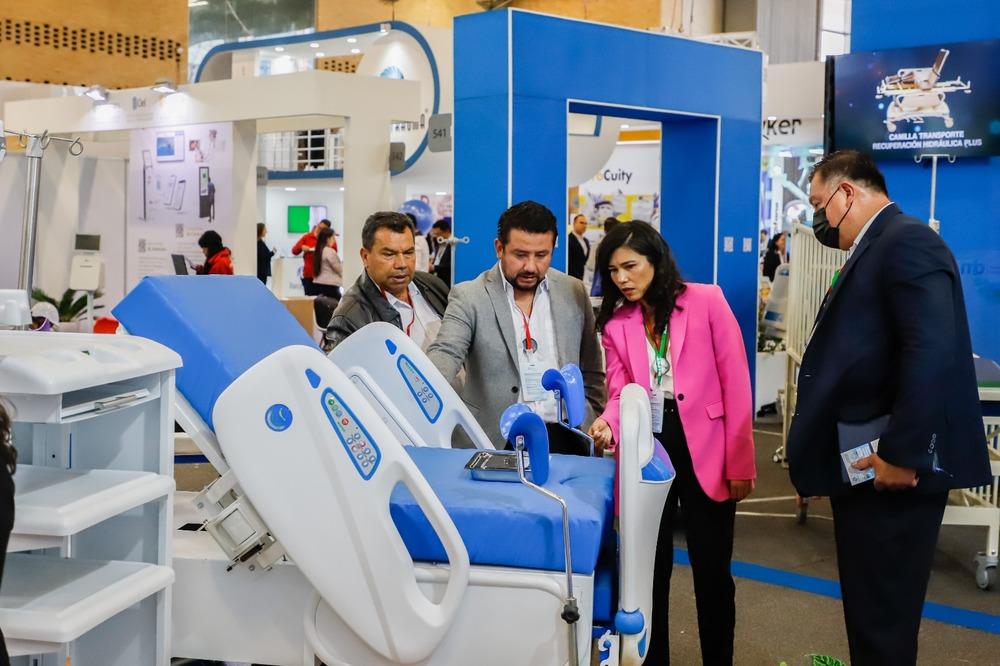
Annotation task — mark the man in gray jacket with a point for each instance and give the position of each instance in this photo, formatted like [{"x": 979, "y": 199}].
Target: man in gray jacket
[
  {"x": 390, "y": 289},
  {"x": 516, "y": 320}
]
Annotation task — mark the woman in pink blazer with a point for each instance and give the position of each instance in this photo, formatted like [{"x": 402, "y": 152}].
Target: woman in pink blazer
[{"x": 681, "y": 342}]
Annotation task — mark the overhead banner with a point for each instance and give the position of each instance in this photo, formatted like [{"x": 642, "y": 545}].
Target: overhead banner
[
  {"x": 902, "y": 103},
  {"x": 179, "y": 186}
]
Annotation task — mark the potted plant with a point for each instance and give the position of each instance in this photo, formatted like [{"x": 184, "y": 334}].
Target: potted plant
[{"x": 70, "y": 306}]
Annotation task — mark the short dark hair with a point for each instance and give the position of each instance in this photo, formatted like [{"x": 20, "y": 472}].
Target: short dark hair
[
  {"x": 260, "y": 229},
  {"x": 395, "y": 222},
  {"x": 578, "y": 216},
  {"x": 443, "y": 225},
  {"x": 610, "y": 223},
  {"x": 850, "y": 165},
  {"x": 8, "y": 454},
  {"x": 326, "y": 222},
  {"x": 212, "y": 241},
  {"x": 529, "y": 216}
]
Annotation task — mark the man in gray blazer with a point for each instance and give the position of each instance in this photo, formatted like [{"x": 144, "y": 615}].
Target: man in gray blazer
[{"x": 516, "y": 320}]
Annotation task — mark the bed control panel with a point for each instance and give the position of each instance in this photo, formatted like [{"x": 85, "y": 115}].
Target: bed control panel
[
  {"x": 427, "y": 398},
  {"x": 358, "y": 444}
]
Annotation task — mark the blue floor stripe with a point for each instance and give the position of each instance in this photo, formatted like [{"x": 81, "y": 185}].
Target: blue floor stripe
[{"x": 961, "y": 617}]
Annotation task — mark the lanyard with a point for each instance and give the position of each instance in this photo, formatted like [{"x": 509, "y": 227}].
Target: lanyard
[
  {"x": 413, "y": 310},
  {"x": 660, "y": 364},
  {"x": 529, "y": 343}
]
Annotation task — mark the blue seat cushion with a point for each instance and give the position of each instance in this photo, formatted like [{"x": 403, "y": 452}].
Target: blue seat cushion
[
  {"x": 221, "y": 325},
  {"x": 508, "y": 524}
]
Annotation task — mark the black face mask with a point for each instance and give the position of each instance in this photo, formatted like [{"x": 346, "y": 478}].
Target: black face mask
[{"x": 824, "y": 232}]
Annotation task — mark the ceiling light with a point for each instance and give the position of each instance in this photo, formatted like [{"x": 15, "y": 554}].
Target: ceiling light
[
  {"x": 279, "y": 49},
  {"x": 785, "y": 153},
  {"x": 197, "y": 3},
  {"x": 625, "y": 126},
  {"x": 342, "y": 189},
  {"x": 355, "y": 51},
  {"x": 440, "y": 194},
  {"x": 165, "y": 86},
  {"x": 772, "y": 118},
  {"x": 314, "y": 45},
  {"x": 290, "y": 189},
  {"x": 320, "y": 54},
  {"x": 352, "y": 40},
  {"x": 97, "y": 93}
]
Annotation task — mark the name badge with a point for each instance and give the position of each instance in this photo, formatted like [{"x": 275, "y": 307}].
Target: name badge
[
  {"x": 531, "y": 380},
  {"x": 656, "y": 409}
]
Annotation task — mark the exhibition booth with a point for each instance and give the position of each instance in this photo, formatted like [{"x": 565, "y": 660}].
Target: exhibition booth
[{"x": 338, "y": 524}]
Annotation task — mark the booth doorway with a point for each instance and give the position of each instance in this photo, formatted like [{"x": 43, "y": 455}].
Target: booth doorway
[{"x": 681, "y": 197}]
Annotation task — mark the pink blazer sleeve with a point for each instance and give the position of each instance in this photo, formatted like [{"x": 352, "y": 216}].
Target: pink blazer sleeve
[
  {"x": 734, "y": 375},
  {"x": 617, "y": 376}
]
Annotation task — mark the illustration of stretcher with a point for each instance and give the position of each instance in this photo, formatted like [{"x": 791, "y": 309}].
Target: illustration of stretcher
[{"x": 918, "y": 93}]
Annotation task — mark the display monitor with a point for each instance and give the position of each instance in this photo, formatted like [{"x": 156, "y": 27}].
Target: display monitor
[
  {"x": 903, "y": 103},
  {"x": 303, "y": 218},
  {"x": 87, "y": 243}
]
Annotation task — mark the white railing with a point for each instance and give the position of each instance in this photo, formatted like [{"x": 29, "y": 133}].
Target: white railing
[
  {"x": 810, "y": 271},
  {"x": 303, "y": 150}
]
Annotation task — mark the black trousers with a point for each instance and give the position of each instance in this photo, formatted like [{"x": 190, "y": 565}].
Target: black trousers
[
  {"x": 885, "y": 548},
  {"x": 329, "y": 290},
  {"x": 307, "y": 287},
  {"x": 6, "y": 525},
  {"x": 708, "y": 527}
]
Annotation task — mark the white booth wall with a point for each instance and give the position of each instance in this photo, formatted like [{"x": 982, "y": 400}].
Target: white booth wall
[{"x": 76, "y": 195}]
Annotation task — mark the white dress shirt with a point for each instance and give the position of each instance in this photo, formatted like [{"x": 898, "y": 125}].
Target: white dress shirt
[
  {"x": 666, "y": 383},
  {"x": 419, "y": 320},
  {"x": 543, "y": 333},
  {"x": 865, "y": 229}
]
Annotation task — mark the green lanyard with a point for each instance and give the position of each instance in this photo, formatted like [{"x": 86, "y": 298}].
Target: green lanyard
[
  {"x": 660, "y": 363},
  {"x": 836, "y": 276}
]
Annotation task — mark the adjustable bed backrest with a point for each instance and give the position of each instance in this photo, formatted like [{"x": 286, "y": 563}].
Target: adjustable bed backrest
[{"x": 308, "y": 451}]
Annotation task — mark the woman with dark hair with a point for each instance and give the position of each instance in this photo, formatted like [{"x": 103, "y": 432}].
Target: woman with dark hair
[
  {"x": 327, "y": 267},
  {"x": 775, "y": 255},
  {"x": 8, "y": 461},
  {"x": 218, "y": 258},
  {"x": 681, "y": 342},
  {"x": 264, "y": 254}
]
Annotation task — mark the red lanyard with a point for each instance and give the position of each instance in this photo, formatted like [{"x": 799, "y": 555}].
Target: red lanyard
[{"x": 413, "y": 309}]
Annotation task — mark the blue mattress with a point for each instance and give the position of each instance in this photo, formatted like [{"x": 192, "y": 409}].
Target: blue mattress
[
  {"x": 507, "y": 524},
  {"x": 221, "y": 325}
]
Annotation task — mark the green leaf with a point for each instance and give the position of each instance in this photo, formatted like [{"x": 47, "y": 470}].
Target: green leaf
[{"x": 824, "y": 660}]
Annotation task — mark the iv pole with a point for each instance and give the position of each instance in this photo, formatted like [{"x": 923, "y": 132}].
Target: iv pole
[
  {"x": 933, "y": 222},
  {"x": 34, "y": 147}
]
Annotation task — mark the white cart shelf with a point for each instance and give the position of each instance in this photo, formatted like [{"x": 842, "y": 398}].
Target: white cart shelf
[
  {"x": 89, "y": 576},
  {"x": 50, "y": 601}
]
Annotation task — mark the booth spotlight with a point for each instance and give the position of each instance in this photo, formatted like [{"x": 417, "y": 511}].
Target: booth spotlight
[
  {"x": 165, "y": 87},
  {"x": 320, "y": 54},
  {"x": 290, "y": 189},
  {"x": 314, "y": 45},
  {"x": 97, "y": 93},
  {"x": 279, "y": 49},
  {"x": 352, "y": 40},
  {"x": 383, "y": 28},
  {"x": 355, "y": 51}
]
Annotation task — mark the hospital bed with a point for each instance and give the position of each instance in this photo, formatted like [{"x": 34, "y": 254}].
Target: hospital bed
[
  {"x": 918, "y": 93},
  {"x": 391, "y": 554}
]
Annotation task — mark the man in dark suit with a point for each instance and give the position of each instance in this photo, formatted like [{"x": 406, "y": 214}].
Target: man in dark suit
[
  {"x": 579, "y": 248},
  {"x": 891, "y": 340}
]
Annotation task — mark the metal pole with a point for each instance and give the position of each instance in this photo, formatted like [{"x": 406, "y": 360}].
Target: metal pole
[
  {"x": 934, "y": 223},
  {"x": 26, "y": 272}
]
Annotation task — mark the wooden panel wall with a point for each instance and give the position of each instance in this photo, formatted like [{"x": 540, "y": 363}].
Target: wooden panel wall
[
  {"x": 117, "y": 43},
  {"x": 332, "y": 14}
]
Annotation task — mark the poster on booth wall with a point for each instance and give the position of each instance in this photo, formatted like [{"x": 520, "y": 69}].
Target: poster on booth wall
[
  {"x": 901, "y": 103},
  {"x": 627, "y": 187},
  {"x": 179, "y": 186}
]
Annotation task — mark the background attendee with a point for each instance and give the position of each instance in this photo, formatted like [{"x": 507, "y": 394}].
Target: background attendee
[
  {"x": 579, "y": 248},
  {"x": 889, "y": 358},
  {"x": 421, "y": 245},
  {"x": 441, "y": 252},
  {"x": 264, "y": 254},
  {"x": 8, "y": 463},
  {"x": 775, "y": 255},
  {"x": 595, "y": 286},
  {"x": 501, "y": 326},
  {"x": 305, "y": 246},
  {"x": 390, "y": 289},
  {"x": 681, "y": 342},
  {"x": 218, "y": 258},
  {"x": 328, "y": 270}
]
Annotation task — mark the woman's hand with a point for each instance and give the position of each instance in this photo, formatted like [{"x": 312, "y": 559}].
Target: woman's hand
[
  {"x": 600, "y": 432},
  {"x": 740, "y": 489}
]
